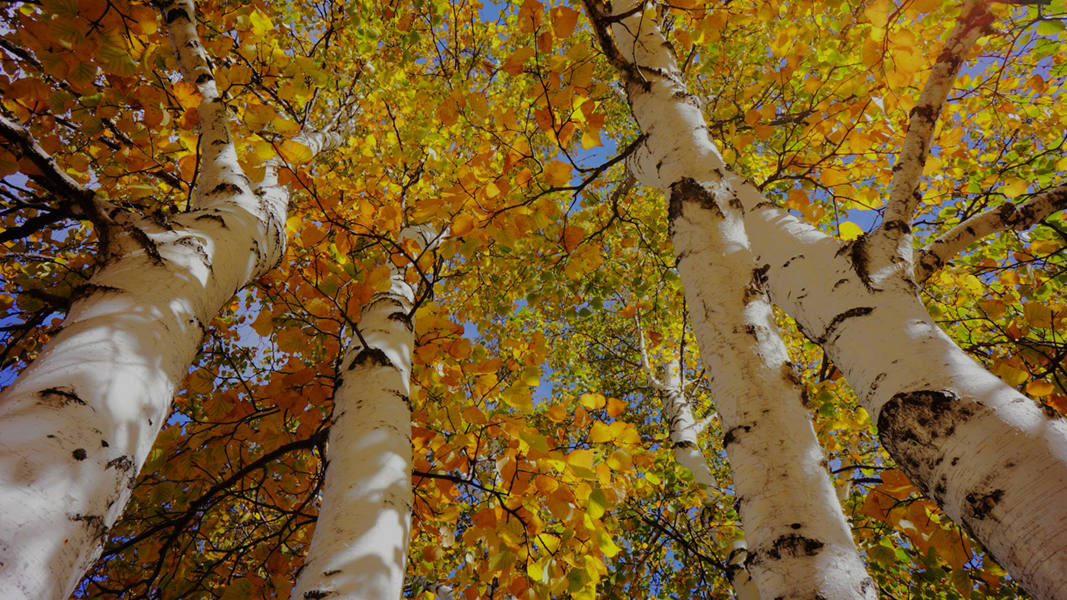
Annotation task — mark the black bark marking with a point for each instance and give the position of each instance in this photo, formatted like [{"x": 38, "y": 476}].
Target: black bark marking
[
  {"x": 94, "y": 523},
  {"x": 688, "y": 190},
  {"x": 222, "y": 221},
  {"x": 58, "y": 397},
  {"x": 80, "y": 454},
  {"x": 792, "y": 544},
  {"x": 922, "y": 111},
  {"x": 403, "y": 318},
  {"x": 897, "y": 224},
  {"x": 795, "y": 525},
  {"x": 373, "y": 357},
  {"x": 203, "y": 77},
  {"x": 197, "y": 246},
  {"x": 331, "y": 572},
  {"x": 734, "y": 433},
  {"x": 104, "y": 444},
  {"x": 683, "y": 444},
  {"x": 911, "y": 426},
  {"x": 88, "y": 289},
  {"x": 174, "y": 14},
  {"x": 791, "y": 259},
  {"x": 982, "y": 504},
  {"x": 859, "y": 311},
  {"x": 122, "y": 463},
  {"x": 146, "y": 244},
  {"x": 226, "y": 188},
  {"x": 315, "y": 595}
]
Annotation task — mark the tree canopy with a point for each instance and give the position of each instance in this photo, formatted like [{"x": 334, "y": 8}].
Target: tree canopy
[{"x": 543, "y": 463}]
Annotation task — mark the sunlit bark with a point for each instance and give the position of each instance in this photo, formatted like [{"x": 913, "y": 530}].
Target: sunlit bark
[
  {"x": 799, "y": 542},
  {"x": 77, "y": 424}
]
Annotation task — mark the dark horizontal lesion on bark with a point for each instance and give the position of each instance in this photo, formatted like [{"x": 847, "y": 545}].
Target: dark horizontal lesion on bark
[
  {"x": 683, "y": 444},
  {"x": 212, "y": 217},
  {"x": 404, "y": 319},
  {"x": 373, "y": 357},
  {"x": 911, "y": 427},
  {"x": 858, "y": 311},
  {"x": 734, "y": 433},
  {"x": 60, "y": 396},
  {"x": 791, "y": 544},
  {"x": 687, "y": 189}
]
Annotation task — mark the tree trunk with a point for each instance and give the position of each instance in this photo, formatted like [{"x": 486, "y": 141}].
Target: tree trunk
[
  {"x": 989, "y": 456},
  {"x": 78, "y": 423},
  {"x": 361, "y": 537},
  {"x": 799, "y": 542}
]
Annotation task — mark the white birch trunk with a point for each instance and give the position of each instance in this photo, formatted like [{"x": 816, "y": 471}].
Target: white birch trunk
[
  {"x": 77, "y": 424},
  {"x": 361, "y": 537},
  {"x": 799, "y": 542},
  {"x": 989, "y": 456}
]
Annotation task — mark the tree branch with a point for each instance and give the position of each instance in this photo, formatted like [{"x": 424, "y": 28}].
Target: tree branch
[
  {"x": 51, "y": 177},
  {"x": 1004, "y": 217},
  {"x": 974, "y": 20}
]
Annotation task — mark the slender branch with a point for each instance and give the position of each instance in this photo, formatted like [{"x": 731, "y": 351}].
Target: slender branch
[
  {"x": 646, "y": 364},
  {"x": 975, "y": 19},
  {"x": 1004, "y": 217}
]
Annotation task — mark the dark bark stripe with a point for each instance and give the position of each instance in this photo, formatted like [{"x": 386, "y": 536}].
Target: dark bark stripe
[
  {"x": 372, "y": 357},
  {"x": 734, "y": 434},
  {"x": 859, "y": 311},
  {"x": 58, "y": 397},
  {"x": 688, "y": 190},
  {"x": 404, "y": 318}
]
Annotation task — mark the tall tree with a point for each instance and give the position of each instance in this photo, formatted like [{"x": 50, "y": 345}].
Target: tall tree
[
  {"x": 858, "y": 300},
  {"x": 797, "y": 550},
  {"x": 78, "y": 423}
]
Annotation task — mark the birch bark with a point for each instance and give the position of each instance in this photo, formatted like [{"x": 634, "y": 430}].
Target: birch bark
[
  {"x": 77, "y": 424},
  {"x": 800, "y": 543},
  {"x": 359, "y": 549},
  {"x": 992, "y": 459}
]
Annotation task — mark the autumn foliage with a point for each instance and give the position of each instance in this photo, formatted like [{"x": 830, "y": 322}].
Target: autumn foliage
[{"x": 542, "y": 463}]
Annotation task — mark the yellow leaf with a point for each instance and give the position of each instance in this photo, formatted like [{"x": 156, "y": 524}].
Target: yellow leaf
[
  {"x": 535, "y": 569},
  {"x": 572, "y": 236},
  {"x": 1013, "y": 186},
  {"x": 294, "y": 152},
  {"x": 600, "y": 433},
  {"x": 462, "y": 224},
  {"x": 557, "y": 413},
  {"x": 519, "y": 398},
  {"x": 285, "y": 126},
  {"x": 615, "y": 407},
  {"x": 187, "y": 94},
  {"x": 557, "y": 173},
  {"x": 563, "y": 20},
  {"x": 598, "y": 503},
  {"x": 797, "y": 200},
  {"x": 379, "y": 278},
  {"x": 849, "y": 230},
  {"x": 592, "y": 401},
  {"x": 582, "y": 458}
]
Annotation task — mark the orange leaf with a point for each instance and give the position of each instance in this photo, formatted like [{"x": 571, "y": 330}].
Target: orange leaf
[{"x": 564, "y": 19}]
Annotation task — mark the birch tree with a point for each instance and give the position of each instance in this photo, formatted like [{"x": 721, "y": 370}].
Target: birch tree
[
  {"x": 735, "y": 329},
  {"x": 79, "y": 422},
  {"x": 929, "y": 399},
  {"x": 364, "y": 525}
]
